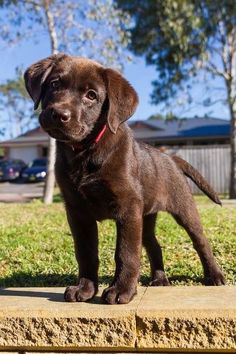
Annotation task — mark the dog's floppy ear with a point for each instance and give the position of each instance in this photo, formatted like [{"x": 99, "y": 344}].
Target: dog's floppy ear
[
  {"x": 36, "y": 75},
  {"x": 122, "y": 97}
]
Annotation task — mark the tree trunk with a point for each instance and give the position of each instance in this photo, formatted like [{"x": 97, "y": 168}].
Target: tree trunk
[
  {"x": 50, "y": 178},
  {"x": 232, "y": 188},
  {"x": 232, "y": 103}
]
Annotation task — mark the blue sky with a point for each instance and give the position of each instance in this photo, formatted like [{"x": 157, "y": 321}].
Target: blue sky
[{"x": 139, "y": 75}]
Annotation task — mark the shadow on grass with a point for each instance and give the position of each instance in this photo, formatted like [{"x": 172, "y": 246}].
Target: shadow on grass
[{"x": 23, "y": 279}]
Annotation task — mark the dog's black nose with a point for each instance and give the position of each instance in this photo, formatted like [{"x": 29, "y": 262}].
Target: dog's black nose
[{"x": 62, "y": 115}]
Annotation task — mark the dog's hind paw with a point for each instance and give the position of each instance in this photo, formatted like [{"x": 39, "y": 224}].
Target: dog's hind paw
[
  {"x": 84, "y": 291},
  {"x": 160, "y": 279},
  {"x": 216, "y": 278}
]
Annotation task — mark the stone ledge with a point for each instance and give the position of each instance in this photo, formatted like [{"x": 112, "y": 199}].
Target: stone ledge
[
  {"x": 158, "y": 319},
  {"x": 38, "y": 318},
  {"x": 187, "y": 318}
]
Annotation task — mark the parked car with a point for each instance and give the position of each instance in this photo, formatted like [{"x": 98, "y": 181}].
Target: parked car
[
  {"x": 11, "y": 169},
  {"x": 36, "y": 171}
]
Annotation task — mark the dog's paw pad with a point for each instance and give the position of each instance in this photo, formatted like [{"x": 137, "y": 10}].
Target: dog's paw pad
[
  {"x": 115, "y": 295},
  {"x": 84, "y": 291},
  {"x": 160, "y": 279}
]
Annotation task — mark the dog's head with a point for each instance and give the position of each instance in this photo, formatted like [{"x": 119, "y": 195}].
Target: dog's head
[{"x": 76, "y": 93}]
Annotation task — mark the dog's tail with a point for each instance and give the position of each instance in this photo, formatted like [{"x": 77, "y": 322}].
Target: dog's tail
[{"x": 197, "y": 178}]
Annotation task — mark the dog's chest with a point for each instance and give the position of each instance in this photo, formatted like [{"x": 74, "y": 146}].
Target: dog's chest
[{"x": 95, "y": 190}]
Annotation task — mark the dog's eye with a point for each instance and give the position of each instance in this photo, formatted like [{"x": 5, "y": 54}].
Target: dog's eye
[
  {"x": 54, "y": 84},
  {"x": 91, "y": 95}
]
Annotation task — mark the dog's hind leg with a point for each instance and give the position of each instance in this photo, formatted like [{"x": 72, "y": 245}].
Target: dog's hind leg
[
  {"x": 187, "y": 216},
  {"x": 154, "y": 251}
]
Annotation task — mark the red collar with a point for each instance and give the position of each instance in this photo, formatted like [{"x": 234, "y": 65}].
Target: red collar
[
  {"x": 100, "y": 134},
  {"x": 80, "y": 146}
]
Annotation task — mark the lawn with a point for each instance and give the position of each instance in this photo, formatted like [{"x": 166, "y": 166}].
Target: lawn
[{"x": 37, "y": 247}]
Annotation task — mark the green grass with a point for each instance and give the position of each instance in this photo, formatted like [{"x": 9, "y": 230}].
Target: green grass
[{"x": 37, "y": 248}]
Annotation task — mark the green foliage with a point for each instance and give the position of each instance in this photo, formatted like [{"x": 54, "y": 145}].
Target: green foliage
[
  {"x": 37, "y": 247},
  {"x": 16, "y": 87},
  {"x": 179, "y": 37},
  {"x": 15, "y": 103}
]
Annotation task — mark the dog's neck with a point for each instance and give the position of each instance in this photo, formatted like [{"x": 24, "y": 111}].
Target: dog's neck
[
  {"x": 108, "y": 147},
  {"x": 94, "y": 140}
]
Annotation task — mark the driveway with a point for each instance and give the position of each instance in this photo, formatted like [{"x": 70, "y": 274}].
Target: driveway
[{"x": 20, "y": 192}]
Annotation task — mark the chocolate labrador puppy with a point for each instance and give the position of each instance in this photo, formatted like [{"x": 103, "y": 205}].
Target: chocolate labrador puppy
[{"x": 103, "y": 173}]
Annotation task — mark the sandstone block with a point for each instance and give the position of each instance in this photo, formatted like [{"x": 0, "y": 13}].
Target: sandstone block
[
  {"x": 38, "y": 318},
  {"x": 187, "y": 318},
  {"x": 175, "y": 319}
]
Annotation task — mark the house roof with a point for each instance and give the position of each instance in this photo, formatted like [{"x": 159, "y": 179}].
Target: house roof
[
  {"x": 32, "y": 137},
  {"x": 181, "y": 128},
  {"x": 34, "y": 132}
]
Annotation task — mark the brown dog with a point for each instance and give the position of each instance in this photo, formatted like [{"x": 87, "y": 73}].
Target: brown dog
[{"x": 104, "y": 173}]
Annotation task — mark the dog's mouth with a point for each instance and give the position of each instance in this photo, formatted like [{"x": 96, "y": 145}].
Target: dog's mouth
[
  {"x": 57, "y": 134},
  {"x": 57, "y": 130},
  {"x": 64, "y": 136}
]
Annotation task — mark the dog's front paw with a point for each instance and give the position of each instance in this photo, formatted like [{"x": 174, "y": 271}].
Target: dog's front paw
[
  {"x": 116, "y": 294},
  {"x": 160, "y": 279},
  {"x": 84, "y": 291},
  {"x": 215, "y": 278}
]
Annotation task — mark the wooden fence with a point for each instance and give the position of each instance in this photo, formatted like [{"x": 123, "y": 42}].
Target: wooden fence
[{"x": 212, "y": 161}]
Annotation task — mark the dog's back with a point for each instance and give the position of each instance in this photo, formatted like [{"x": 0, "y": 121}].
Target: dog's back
[{"x": 163, "y": 178}]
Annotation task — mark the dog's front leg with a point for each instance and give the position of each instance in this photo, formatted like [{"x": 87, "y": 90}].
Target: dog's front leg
[
  {"x": 85, "y": 234},
  {"x": 127, "y": 257}
]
